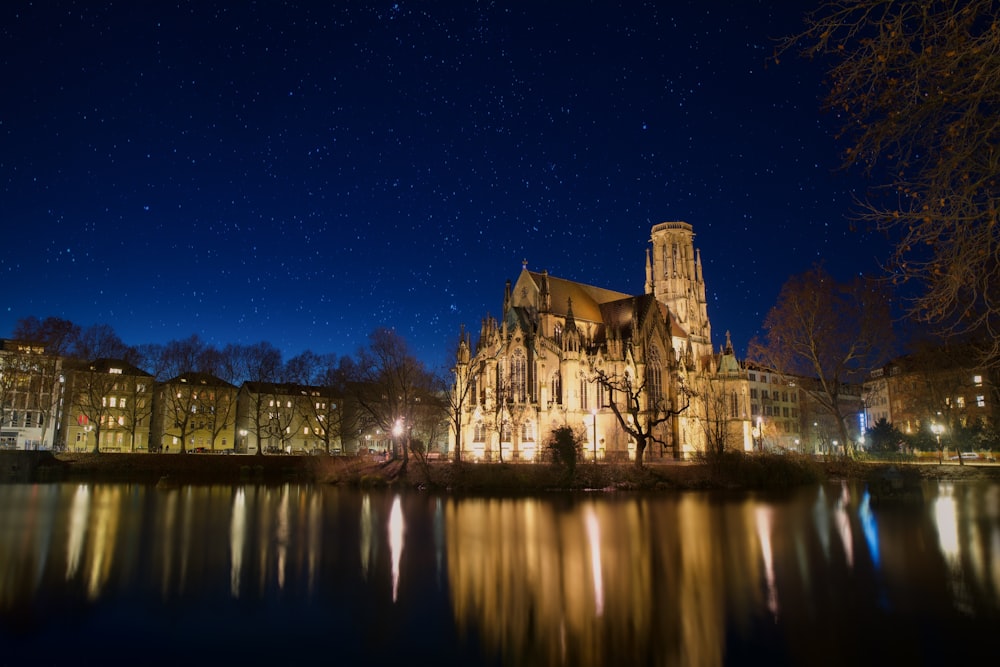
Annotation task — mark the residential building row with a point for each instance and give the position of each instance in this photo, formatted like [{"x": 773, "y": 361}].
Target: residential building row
[{"x": 110, "y": 405}]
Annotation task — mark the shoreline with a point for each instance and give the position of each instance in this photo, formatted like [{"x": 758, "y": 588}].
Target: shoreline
[{"x": 747, "y": 473}]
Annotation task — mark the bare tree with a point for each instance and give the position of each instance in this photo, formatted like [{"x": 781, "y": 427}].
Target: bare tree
[
  {"x": 90, "y": 386},
  {"x": 914, "y": 84},
  {"x": 187, "y": 366},
  {"x": 324, "y": 379},
  {"x": 835, "y": 333},
  {"x": 390, "y": 383},
  {"x": 458, "y": 386},
  {"x": 722, "y": 421},
  {"x": 56, "y": 337},
  {"x": 640, "y": 412}
]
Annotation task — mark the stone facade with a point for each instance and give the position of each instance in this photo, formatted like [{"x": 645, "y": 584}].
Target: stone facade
[{"x": 536, "y": 368}]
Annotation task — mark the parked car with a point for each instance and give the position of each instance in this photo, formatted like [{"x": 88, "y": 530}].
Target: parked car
[{"x": 966, "y": 456}]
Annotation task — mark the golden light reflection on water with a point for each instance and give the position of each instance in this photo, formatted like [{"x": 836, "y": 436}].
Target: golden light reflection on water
[{"x": 555, "y": 581}]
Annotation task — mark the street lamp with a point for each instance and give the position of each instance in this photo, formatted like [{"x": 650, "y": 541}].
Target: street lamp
[
  {"x": 397, "y": 431},
  {"x": 937, "y": 429},
  {"x": 593, "y": 413}
]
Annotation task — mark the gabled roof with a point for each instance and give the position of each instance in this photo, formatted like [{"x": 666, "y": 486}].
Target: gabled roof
[
  {"x": 286, "y": 389},
  {"x": 587, "y": 299},
  {"x": 196, "y": 379},
  {"x": 106, "y": 366}
]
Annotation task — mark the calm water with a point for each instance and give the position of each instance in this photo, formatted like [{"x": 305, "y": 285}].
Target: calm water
[{"x": 128, "y": 574}]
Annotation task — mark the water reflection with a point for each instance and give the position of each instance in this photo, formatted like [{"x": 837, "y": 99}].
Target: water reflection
[{"x": 821, "y": 575}]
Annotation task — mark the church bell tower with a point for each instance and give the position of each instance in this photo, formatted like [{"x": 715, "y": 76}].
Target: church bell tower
[{"x": 674, "y": 277}]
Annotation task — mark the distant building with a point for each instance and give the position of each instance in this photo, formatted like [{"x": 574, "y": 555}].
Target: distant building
[
  {"x": 194, "y": 412},
  {"x": 109, "y": 406},
  {"x": 775, "y": 408},
  {"x": 289, "y": 418},
  {"x": 30, "y": 396},
  {"x": 934, "y": 387}
]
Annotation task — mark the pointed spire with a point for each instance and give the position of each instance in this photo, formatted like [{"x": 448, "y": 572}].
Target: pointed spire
[
  {"x": 570, "y": 320},
  {"x": 649, "y": 274},
  {"x": 546, "y": 295},
  {"x": 729, "y": 343},
  {"x": 506, "y": 297}
]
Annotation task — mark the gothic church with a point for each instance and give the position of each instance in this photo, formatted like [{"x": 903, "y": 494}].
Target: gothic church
[{"x": 534, "y": 370}]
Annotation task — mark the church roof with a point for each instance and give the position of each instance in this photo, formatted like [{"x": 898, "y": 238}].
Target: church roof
[{"x": 587, "y": 299}]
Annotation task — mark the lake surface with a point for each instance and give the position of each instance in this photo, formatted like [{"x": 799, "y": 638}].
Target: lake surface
[{"x": 129, "y": 574}]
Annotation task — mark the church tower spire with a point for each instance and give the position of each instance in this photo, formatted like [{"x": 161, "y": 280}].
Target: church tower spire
[{"x": 675, "y": 279}]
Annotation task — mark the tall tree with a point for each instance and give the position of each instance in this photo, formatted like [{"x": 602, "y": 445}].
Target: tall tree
[
  {"x": 258, "y": 367},
  {"x": 57, "y": 338},
  {"x": 390, "y": 384},
  {"x": 56, "y": 335},
  {"x": 185, "y": 364},
  {"x": 641, "y": 411},
  {"x": 835, "y": 333},
  {"x": 457, "y": 387},
  {"x": 914, "y": 85}
]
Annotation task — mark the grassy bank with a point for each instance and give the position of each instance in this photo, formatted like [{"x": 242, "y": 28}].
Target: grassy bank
[{"x": 734, "y": 472}]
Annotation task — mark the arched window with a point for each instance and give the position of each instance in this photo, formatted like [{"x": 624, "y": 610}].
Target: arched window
[
  {"x": 479, "y": 433},
  {"x": 505, "y": 431},
  {"x": 519, "y": 377},
  {"x": 654, "y": 377},
  {"x": 556, "y": 388},
  {"x": 527, "y": 432}
]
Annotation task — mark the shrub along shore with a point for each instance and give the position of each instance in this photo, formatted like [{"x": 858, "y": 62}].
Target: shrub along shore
[{"x": 733, "y": 472}]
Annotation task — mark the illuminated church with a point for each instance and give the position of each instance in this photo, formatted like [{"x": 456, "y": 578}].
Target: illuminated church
[{"x": 534, "y": 369}]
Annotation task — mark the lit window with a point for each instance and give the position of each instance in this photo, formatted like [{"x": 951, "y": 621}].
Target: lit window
[
  {"x": 980, "y": 401},
  {"x": 977, "y": 380}
]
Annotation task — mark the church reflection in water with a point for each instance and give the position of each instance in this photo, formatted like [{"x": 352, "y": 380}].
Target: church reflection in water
[{"x": 683, "y": 579}]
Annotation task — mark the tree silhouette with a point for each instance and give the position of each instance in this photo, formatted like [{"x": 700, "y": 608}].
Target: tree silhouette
[
  {"x": 914, "y": 85},
  {"x": 832, "y": 333}
]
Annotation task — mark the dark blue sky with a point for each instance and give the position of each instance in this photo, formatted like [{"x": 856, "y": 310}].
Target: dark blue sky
[{"x": 302, "y": 173}]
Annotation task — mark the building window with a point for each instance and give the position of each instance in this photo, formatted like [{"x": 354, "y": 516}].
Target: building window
[
  {"x": 583, "y": 394},
  {"x": 556, "y": 388},
  {"x": 527, "y": 433},
  {"x": 519, "y": 376},
  {"x": 980, "y": 401},
  {"x": 654, "y": 377},
  {"x": 753, "y": 393},
  {"x": 478, "y": 432},
  {"x": 505, "y": 431},
  {"x": 960, "y": 401},
  {"x": 977, "y": 380}
]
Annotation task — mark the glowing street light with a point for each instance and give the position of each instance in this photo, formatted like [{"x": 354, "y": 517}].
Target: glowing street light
[
  {"x": 397, "y": 431},
  {"x": 938, "y": 429}
]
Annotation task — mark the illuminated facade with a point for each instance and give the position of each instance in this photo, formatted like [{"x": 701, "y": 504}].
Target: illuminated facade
[
  {"x": 109, "y": 406},
  {"x": 30, "y": 396},
  {"x": 534, "y": 369},
  {"x": 288, "y": 418},
  {"x": 913, "y": 393},
  {"x": 194, "y": 412}
]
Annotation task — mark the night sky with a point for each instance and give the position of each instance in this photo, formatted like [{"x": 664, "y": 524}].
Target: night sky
[{"x": 303, "y": 173}]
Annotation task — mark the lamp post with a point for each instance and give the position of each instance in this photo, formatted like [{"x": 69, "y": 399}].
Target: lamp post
[
  {"x": 937, "y": 429},
  {"x": 593, "y": 414}
]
